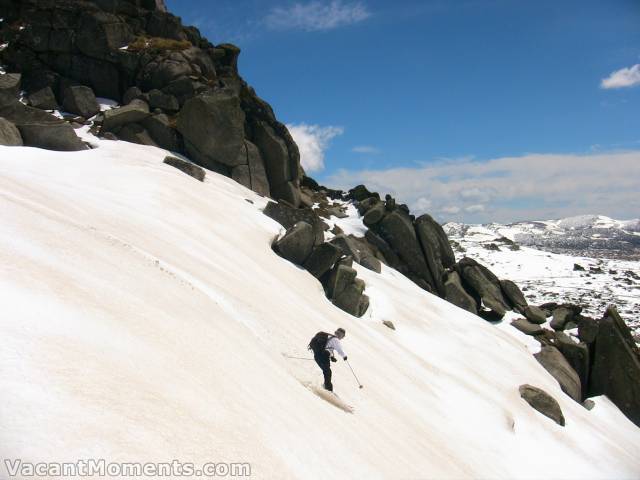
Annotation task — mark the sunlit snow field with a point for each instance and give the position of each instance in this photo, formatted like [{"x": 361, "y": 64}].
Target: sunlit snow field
[{"x": 146, "y": 318}]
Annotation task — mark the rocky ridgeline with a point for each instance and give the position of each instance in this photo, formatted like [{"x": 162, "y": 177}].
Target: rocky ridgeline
[
  {"x": 603, "y": 360},
  {"x": 330, "y": 262},
  {"x": 178, "y": 91}
]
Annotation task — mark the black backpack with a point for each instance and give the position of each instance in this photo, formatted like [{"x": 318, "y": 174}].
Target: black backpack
[{"x": 319, "y": 341}]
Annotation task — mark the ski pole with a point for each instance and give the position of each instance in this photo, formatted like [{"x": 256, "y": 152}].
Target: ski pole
[
  {"x": 354, "y": 375},
  {"x": 297, "y": 358}
]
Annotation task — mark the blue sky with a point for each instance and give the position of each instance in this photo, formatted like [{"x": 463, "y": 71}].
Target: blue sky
[{"x": 449, "y": 104}]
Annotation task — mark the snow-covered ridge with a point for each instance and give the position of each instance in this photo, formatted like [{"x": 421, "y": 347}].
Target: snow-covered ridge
[
  {"x": 586, "y": 235},
  {"x": 586, "y": 260},
  {"x": 145, "y": 318}
]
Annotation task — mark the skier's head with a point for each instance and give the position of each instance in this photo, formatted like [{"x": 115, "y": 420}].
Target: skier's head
[{"x": 340, "y": 333}]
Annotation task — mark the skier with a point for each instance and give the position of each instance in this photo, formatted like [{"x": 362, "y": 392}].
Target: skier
[{"x": 324, "y": 345}]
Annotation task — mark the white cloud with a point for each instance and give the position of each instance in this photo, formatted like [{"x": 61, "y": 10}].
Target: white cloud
[
  {"x": 450, "y": 209},
  {"x": 625, "y": 77},
  {"x": 367, "y": 149},
  {"x": 474, "y": 208},
  {"x": 529, "y": 187},
  {"x": 422, "y": 204},
  {"x": 313, "y": 140},
  {"x": 316, "y": 15}
]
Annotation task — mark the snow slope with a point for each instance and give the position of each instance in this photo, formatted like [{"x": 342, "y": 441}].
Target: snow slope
[{"x": 145, "y": 318}]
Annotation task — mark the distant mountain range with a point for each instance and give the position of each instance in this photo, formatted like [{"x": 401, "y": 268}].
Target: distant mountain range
[
  {"x": 590, "y": 260},
  {"x": 586, "y": 235}
]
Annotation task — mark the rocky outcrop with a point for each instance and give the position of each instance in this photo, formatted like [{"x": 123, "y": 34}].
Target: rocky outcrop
[
  {"x": 615, "y": 365},
  {"x": 419, "y": 248},
  {"x": 345, "y": 290},
  {"x": 134, "y": 112},
  {"x": 44, "y": 99},
  {"x": 80, "y": 100},
  {"x": 535, "y": 315},
  {"x": 577, "y": 355},
  {"x": 159, "y": 129},
  {"x": 135, "y": 51},
  {"x": 397, "y": 229},
  {"x": 561, "y": 316},
  {"x": 250, "y": 170},
  {"x": 40, "y": 129},
  {"x": 513, "y": 295},
  {"x": 526, "y": 327},
  {"x": 484, "y": 284},
  {"x": 322, "y": 259},
  {"x": 360, "y": 251},
  {"x": 326, "y": 262},
  {"x": 435, "y": 248},
  {"x": 287, "y": 216},
  {"x": 9, "y": 134},
  {"x": 187, "y": 167},
  {"x": 456, "y": 294},
  {"x": 9, "y": 88},
  {"x": 556, "y": 364},
  {"x": 212, "y": 125},
  {"x": 542, "y": 402},
  {"x": 297, "y": 244}
]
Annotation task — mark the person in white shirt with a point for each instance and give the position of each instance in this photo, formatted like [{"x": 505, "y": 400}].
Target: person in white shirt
[{"x": 324, "y": 354}]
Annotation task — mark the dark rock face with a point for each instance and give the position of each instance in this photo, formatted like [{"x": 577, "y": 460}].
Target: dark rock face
[
  {"x": 561, "y": 316},
  {"x": 577, "y": 355},
  {"x": 535, "y": 315},
  {"x": 9, "y": 134},
  {"x": 360, "y": 193},
  {"x": 163, "y": 101},
  {"x": 134, "y": 50},
  {"x": 374, "y": 214},
  {"x": 587, "y": 330},
  {"x": 44, "y": 99},
  {"x": 9, "y": 88},
  {"x": 297, "y": 244},
  {"x": 514, "y": 295},
  {"x": 134, "y": 112},
  {"x": 615, "y": 368},
  {"x": 288, "y": 216},
  {"x": 212, "y": 125},
  {"x": 281, "y": 170},
  {"x": 351, "y": 297},
  {"x": 526, "y": 327},
  {"x": 389, "y": 256},
  {"x": 42, "y": 130},
  {"x": 358, "y": 250},
  {"x": 136, "y": 133},
  {"x": 81, "y": 101},
  {"x": 435, "y": 248},
  {"x": 542, "y": 402},
  {"x": 555, "y": 363},
  {"x": 339, "y": 279},
  {"x": 250, "y": 170},
  {"x": 322, "y": 259},
  {"x": 485, "y": 284},
  {"x": 159, "y": 128},
  {"x": 397, "y": 230},
  {"x": 456, "y": 294},
  {"x": 189, "y": 168}
]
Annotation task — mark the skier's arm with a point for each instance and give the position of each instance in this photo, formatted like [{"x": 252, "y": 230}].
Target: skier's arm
[{"x": 334, "y": 344}]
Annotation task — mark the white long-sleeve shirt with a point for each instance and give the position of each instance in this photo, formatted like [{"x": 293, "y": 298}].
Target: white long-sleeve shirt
[{"x": 333, "y": 344}]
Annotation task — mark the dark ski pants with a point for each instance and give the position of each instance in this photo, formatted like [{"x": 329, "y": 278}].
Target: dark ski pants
[{"x": 322, "y": 359}]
